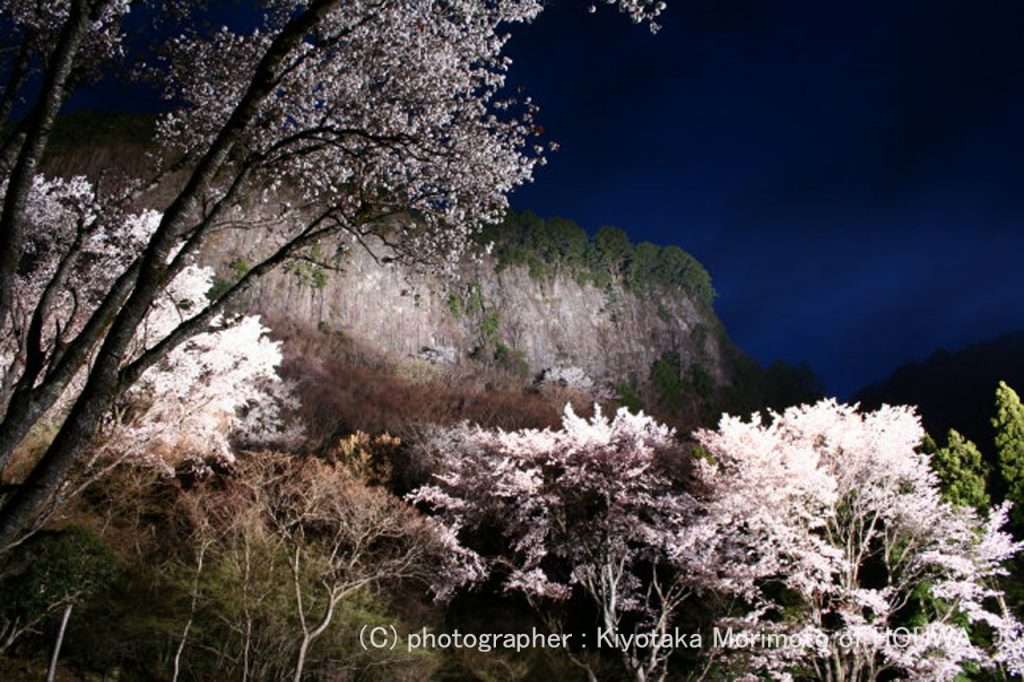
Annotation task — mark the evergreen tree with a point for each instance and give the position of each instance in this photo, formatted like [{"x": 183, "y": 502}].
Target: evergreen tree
[
  {"x": 961, "y": 471},
  {"x": 1009, "y": 425}
]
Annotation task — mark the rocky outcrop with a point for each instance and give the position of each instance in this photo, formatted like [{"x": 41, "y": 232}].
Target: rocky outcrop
[{"x": 611, "y": 333}]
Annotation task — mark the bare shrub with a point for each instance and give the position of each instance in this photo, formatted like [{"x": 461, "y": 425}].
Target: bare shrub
[{"x": 345, "y": 388}]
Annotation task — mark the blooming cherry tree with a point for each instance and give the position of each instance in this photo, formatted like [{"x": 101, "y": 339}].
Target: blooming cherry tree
[
  {"x": 380, "y": 120},
  {"x": 825, "y": 529},
  {"x": 50, "y": 48},
  {"x": 73, "y": 254},
  {"x": 592, "y": 507},
  {"x": 836, "y": 511},
  {"x": 218, "y": 386},
  {"x": 206, "y": 390},
  {"x": 571, "y": 377}
]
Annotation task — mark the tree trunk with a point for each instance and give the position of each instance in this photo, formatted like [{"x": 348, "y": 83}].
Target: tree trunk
[
  {"x": 103, "y": 384},
  {"x": 248, "y": 615},
  {"x": 15, "y": 80},
  {"x": 300, "y": 663},
  {"x": 37, "y": 134},
  {"x": 51, "y": 672},
  {"x": 21, "y": 513},
  {"x": 191, "y": 611},
  {"x": 9, "y": 632},
  {"x": 28, "y": 403}
]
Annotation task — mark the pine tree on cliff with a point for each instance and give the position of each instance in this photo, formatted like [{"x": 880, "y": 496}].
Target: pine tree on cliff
[{"x": 1009, "y": 425}]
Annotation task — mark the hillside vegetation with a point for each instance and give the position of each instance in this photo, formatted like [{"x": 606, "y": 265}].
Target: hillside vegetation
[
  {"x": 555, "y": 247},
  {"x": 256, "y": 484}
]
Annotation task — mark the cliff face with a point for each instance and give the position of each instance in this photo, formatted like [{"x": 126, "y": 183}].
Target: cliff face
[{"x": 536, "y": 324}]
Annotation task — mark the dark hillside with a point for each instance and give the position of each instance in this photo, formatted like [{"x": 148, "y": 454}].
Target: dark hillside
[{"x": 955, "y": 390}]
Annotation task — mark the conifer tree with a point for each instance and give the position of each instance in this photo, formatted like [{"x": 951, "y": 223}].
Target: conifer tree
[
  {"x": 961, "y": 470},
  {"x": 1009, "y": 425}
]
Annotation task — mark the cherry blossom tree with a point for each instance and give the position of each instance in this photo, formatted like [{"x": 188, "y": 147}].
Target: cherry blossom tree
[
  {"x": 60, "y": 43},
  {"x": 593, "y": 507},
  {"x": 219, "y": 383},
  {"x": 570, "y": 377},
  {"x": 845, "y": 539},
  {"x": 201, "y": 390},
  {"x": 825, "y": 530},
  {"x": 376, "y": 119}
]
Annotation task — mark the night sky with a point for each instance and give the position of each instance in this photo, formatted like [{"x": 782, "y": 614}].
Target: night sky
[{"x": 848, "y": 172}]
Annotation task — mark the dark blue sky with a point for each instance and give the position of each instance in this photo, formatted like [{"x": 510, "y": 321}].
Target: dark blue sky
[{"x": 850, "y": 173}]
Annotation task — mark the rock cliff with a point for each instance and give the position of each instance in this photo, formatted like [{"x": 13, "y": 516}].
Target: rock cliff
[
  {"x": 529, "y": 323},
  {"x": 507, "y": 309}
]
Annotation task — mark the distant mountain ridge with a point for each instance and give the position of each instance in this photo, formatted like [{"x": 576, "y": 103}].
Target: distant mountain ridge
[{"x": 955, "y": 389}]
